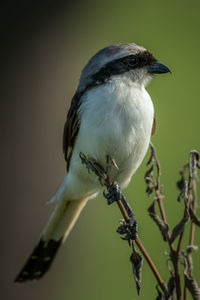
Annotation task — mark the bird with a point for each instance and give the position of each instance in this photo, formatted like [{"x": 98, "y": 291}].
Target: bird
[{"x": 111, "y": 115}]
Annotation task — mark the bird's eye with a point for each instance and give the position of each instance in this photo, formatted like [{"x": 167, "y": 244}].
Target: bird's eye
[{"x": 132, "y": 61}]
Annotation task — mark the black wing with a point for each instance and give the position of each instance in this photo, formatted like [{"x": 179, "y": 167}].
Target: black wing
[{"x": 71, "y": 128}]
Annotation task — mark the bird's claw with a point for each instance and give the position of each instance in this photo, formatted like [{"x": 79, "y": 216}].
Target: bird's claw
[
  {"x": 113, "y": 193},
  {"x": 130, "y": 229}
]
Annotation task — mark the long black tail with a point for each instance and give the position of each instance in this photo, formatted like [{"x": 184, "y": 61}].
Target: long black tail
[
  {"x": 56, "y": 231},
  {"x": 39, "y": 261}
]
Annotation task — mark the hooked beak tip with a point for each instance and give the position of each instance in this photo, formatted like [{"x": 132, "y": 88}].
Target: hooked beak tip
[{"x": 158, "y": 68}]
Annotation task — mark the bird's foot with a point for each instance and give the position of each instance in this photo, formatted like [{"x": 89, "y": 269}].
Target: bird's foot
[
  {"x": 129, "y": 230},
  {"x": 113, "y": 193}
]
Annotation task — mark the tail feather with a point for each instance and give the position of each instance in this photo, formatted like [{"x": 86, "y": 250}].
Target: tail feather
[
  {"x": 39, "y": 261},
  {"x": 58, "y": 228}
]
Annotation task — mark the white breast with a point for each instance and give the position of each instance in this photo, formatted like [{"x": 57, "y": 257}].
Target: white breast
[{"x": 115, "y": 119}]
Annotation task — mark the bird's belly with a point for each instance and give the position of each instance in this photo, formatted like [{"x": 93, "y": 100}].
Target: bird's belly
[
  {"x": 119, "y": 130},
  {"x": 125, "y": 139}
]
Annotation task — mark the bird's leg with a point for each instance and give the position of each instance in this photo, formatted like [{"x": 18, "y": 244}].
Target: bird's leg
[{"x": 130, "y": 229}]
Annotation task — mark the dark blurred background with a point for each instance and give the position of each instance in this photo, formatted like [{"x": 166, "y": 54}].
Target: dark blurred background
[{"x": 44, "y": 46}]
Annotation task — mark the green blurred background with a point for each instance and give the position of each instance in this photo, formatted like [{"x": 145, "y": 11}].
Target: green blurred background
[{"x": 44, "y": 47}]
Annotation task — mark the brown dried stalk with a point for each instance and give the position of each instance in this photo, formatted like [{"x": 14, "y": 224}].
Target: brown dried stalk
[
  {"x": 103, "y": 177},
  {"x": 188, "y": 194},
  {"x": 153, "y": 185},
  {"x": 190, "y": 283}
]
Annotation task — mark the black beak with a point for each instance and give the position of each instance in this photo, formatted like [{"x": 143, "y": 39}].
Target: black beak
[{"x": 158, "y": 68}]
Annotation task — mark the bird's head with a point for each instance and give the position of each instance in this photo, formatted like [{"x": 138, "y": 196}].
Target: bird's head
[{"x": 134, "y": 61}]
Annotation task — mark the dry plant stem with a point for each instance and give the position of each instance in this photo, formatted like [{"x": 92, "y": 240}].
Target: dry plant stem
[
  {"x": 138, "y": 242},
  {"x": 159, "y": 196},
  {"x": 174, "y": 253},
  {"x": 123, "y": 211},
  {"x": 176, "y": 264},
  {"x": 194, "y": 206},
  {"x": 192, "y": 228},
  {"x": 192, "y": 182},
  {"x": 142, "y": 249},
  {"x": 151, "y": 264},
  {"x": 175, "y": 260},
  {"x": 190, "y": 198},
  {"x": 185, "y": 293}
]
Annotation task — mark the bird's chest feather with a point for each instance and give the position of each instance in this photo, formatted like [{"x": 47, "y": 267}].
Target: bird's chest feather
[{"x": 116, "y": 119}]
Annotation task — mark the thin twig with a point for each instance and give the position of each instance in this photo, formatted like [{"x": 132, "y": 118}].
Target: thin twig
[
  {"x": 151, "y": 264},
  {"x": 143, "y": 250},
  {"x": 159, "y": 197},
  {"x": 192, "y": 188},
  {"x": 104, "y": 179}
]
